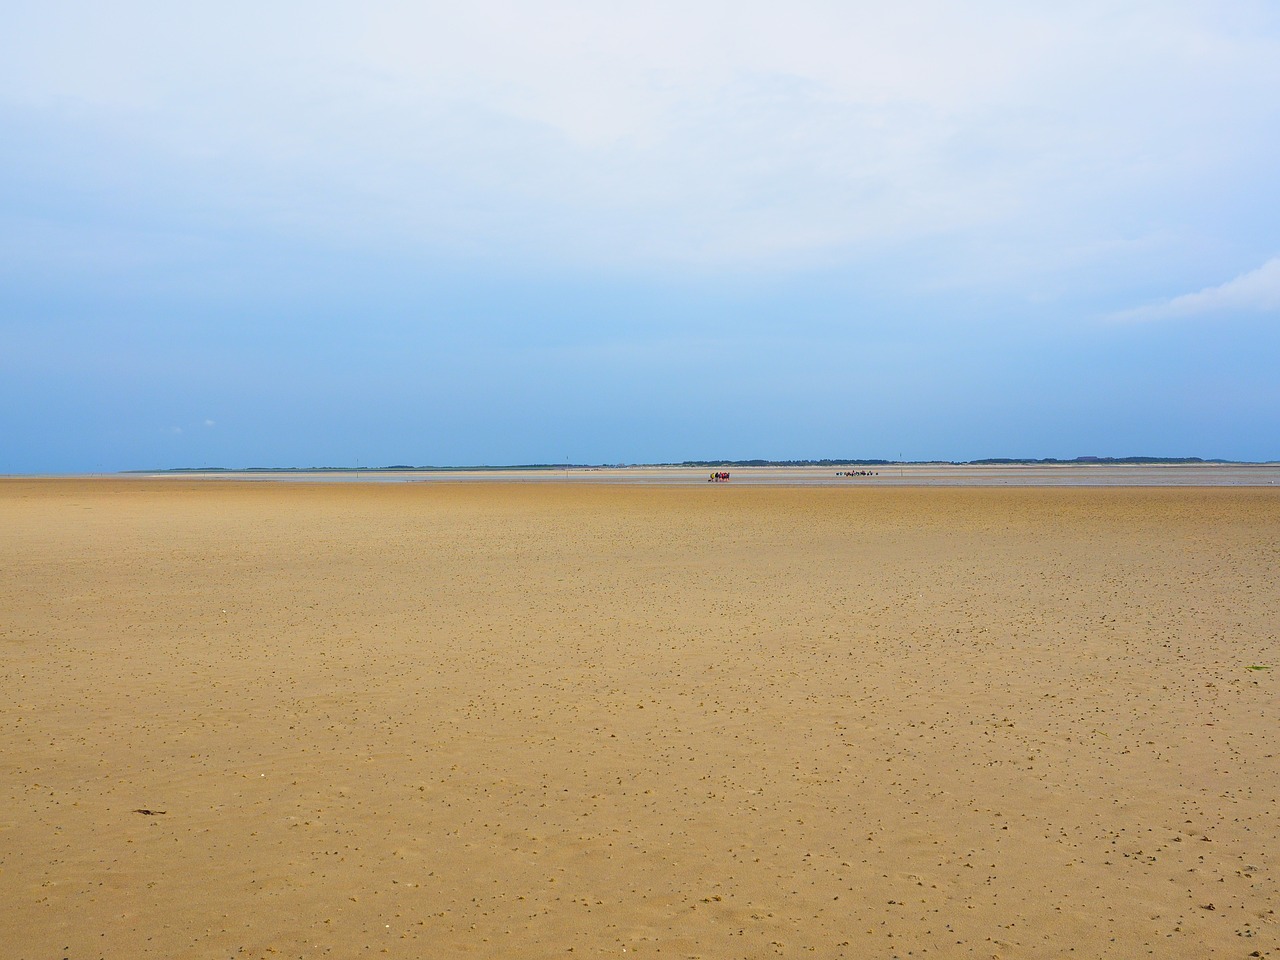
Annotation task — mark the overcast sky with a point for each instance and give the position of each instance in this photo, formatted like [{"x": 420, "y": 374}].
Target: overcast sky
[{"x": 504, "y": 232}]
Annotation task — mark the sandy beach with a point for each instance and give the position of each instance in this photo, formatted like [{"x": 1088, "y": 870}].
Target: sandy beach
[{"x": 266, "y": 720}]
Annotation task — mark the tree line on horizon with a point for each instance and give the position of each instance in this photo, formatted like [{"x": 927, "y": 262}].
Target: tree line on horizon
[{"x": 826, "y": 462}]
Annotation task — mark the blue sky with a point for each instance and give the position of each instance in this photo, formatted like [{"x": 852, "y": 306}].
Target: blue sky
[{"x": 506, "y": 232}]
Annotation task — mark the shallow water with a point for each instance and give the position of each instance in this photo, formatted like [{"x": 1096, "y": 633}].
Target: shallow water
[{"x": 931, "y": 475}]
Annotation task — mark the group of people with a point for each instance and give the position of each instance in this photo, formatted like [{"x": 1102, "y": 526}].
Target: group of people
[
  {"x": 855, "y": 473},
  {"x": 720, "y": 476}
]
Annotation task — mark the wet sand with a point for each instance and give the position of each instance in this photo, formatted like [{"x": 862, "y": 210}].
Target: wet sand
[
  {"x": 907, "y": 474},
  {"x": 550, "y": 720}
]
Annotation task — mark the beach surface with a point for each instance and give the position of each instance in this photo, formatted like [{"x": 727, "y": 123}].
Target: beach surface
[{"x": 249, "y": 719}]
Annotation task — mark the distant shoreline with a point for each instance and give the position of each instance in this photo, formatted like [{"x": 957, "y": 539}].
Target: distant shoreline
[
  {"x": 835, "y": 474},
  {"x": 690, "y": 464}
]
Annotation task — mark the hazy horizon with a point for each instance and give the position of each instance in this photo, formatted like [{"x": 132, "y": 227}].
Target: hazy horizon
[{"x": 692, "y": 463}]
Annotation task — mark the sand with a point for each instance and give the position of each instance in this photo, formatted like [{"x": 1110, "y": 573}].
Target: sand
[{"x": 549, "y": 720}]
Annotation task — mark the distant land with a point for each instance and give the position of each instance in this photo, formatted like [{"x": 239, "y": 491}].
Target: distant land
[{"x": 826, "y": 462}]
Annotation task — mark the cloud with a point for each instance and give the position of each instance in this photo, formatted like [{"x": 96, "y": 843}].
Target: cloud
[
  {"x": 705, "y": 133},
  {"x": 209, "y": 423},
  {"x": 1255, "y": 291}
]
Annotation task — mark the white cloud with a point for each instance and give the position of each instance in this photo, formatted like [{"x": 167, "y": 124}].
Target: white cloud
[
  {"x": 1255, "y": 291},
  {"x": 671, "y": 131},
  {"x": 209, "y": 423}
]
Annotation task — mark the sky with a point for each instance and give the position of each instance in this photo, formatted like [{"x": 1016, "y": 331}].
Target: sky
[{"x": 325, "y": 233}]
